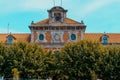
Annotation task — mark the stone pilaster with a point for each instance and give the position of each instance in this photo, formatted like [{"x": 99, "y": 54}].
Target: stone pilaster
[
  {"x": 32, "y": 36},
  {"x": 82, "y": 34}
]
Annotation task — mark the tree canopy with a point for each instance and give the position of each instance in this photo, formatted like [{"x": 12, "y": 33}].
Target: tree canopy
[{"x": 76, "y": 60}]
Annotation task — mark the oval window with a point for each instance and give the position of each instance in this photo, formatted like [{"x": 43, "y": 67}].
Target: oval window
[
  {"x": 10, "y": 39},
  {"x": 104, "y": 39},
  {"x": 73, "y": 37},
  {"x": 41, "y": 37}
]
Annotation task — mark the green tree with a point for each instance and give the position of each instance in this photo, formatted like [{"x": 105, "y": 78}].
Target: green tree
[
  {"x": 3, "y": 55},
  {"x": 110, "y": 66},
  {"x": 27, "y": 58},
  {"x": 79, "y": 60}
]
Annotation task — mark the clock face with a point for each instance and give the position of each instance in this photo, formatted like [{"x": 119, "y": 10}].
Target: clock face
[{"x": 57, "y": 37}]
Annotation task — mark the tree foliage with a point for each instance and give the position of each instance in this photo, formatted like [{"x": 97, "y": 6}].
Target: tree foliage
[
  {"x": 110, "y": 67},
  {"x": 77, "y": 60}
]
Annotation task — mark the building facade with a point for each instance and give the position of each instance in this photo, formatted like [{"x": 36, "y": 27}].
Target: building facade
[{"x": 57, "y": 30}]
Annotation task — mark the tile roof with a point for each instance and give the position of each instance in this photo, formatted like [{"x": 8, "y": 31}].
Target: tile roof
[
  {"x": 45, "y": 21},
  {"x": 92, "y": 36},
  {"x": 68, "y": 21},
  {"x": 112, "y": 37},
  {"x": 19, "y": 37}
]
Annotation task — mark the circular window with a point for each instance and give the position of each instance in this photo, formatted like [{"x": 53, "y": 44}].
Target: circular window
[
  {"x": 73, "y": 37},
  {"x": 41, "y": 37}
]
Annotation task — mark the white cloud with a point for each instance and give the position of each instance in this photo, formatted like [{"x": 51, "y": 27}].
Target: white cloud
[
  {"x": 5, "y": 30},
  {"x": 39, "y": 4},
  {"x": 8, "y": 6},
  {"x": 36, "y": 4},
  {"x": 2, "y": 30},
  {"x": 95, "y": 5}
]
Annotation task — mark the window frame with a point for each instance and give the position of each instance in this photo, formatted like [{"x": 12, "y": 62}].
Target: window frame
[
  {"x": 10, "y": 39},
  {"x": 41, "y": 38},
  {"x": 75, "y": 37},
  {"x": 57, "y": 17},
  {"x": 104, "y": 39}
]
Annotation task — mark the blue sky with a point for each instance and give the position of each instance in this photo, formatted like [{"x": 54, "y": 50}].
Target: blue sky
[{"x": 99, "y": 15}]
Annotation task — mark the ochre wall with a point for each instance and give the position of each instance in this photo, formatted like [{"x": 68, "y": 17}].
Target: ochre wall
[
  {"x": 48, "y": 36},
  {"x": 66, "y": 36},
  {"x": 79, "y": 35},
  {"x": 35, "y": 36}
]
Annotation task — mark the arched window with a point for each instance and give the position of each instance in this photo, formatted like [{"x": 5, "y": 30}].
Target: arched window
[
  {"x": 10, "y": 39},
  {"x": 57, "y": 16},
  {"x": 73, "y": 37},
  {"x": 105, "y": 39},
  {"x": 41, "y": 37}
]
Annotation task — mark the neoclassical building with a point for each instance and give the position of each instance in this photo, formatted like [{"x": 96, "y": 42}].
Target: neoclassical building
[{"x": 57, "y": 30}]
